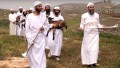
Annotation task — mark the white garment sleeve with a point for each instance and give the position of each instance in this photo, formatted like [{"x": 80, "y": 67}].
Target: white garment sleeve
[
  {"x": 82, "y": 22},
  {"x": 46, "y": 26},
  {"x": 10, "y": 18},
  {"x": 98, "y": 21},
  {"x": 28, "y": 31},
  {"x": 61, "y": 18}
]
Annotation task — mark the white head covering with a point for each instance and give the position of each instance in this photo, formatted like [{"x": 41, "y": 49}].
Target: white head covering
[
  {"x": 37, "y": 3},
  {"x": 47, "y": 4},
  {"x": 11, "y": 9},
  {"x": 31, "y": 8},
  {"x": 90, "y": 4},
  {"x": 20, "y": 7},
  {"x": 24, "y": 10},
  {"x": 56, "y": 7}
]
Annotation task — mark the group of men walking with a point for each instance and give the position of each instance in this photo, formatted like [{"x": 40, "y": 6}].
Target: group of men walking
[
  {"x": 17, "y": 21},
  {"x": 34, "y": 26}
]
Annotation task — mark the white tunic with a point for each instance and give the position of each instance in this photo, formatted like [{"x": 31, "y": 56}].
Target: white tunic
[
  {"x": 22, "y": 23},
  {"x": 56, "y": 44},
  {"x": 90, "y": 44},
  {"x": 19, "y": 27},
  {"x": 47, "y": 46},
  {"x": 12, "y": 18},
  {"x": 36, "y": 55}
]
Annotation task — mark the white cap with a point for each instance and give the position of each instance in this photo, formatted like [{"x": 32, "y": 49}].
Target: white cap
[
  {"x": 37, "y": 3},
  {"x": 31, "y": 8},
  {"x": 90, "y": 4},
  {"x": 56, "y": 7},
  {"x": 47, "y": 4},
  {"x": 20, "y": 7},
  {"x": 24, "y": 10},
  {"x": 11, "y": 9}
]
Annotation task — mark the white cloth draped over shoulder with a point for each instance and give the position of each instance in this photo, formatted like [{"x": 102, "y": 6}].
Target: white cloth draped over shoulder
[
  {"x": 56, "y": 44},
  {"x": 36, "y": 54},
  {"x": 12, "y": 19},
  {"x": 90, "y": 43}
]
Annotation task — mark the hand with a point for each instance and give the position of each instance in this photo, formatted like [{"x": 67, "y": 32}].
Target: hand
[
  {"x": 80, "y": 29},
  {"x": 14, "y": 22},
  {"x": 23, "y": 20},
  {"x": 41, "y": 29}
]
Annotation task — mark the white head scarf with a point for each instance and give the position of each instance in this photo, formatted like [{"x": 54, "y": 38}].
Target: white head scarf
[
  {"x": 90, "y": 4},
  {"x": 24, "y": 10},
  {"x": 47, "y": 4},
  {"x": 56, "y": 7},
  {"x": 37, "y": 3},
  {"x": 20, "y": 7},
  {"x": 31, "y": 8},
  {"x": 11, "y": 9}
]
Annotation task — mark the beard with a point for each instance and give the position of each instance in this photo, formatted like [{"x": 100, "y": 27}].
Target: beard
[
  {"x": 12, "y": 12},
  {"x": 24, "y": 14},
  {"x": 57, "y": 13},
  {"x": 38, "y": 10},
  {"x": 20, "y": 11},
  {"x": 91, "y": 12},
  {"x": 48, "y": 11}
]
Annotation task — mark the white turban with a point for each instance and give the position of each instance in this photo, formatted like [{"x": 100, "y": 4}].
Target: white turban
[
  {"x": 24, "y": 10},
  {"x": 90, "y": 4},
  {"x": 57, "y": 7},
  {"x": 47, "y": 4},
  {"x": 20, "y": 7},
  {"x": 11, "y": 9},
  {"x": 37, "y": 3}
]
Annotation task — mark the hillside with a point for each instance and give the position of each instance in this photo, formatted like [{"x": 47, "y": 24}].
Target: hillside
[
  {"x": 4, "y": 14},
  {"x": 76, "y": 9}
]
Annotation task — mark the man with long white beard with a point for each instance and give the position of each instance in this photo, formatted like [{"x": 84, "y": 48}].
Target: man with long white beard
[
  {"x": 36, "y": 28},
  {"x": 19, "y": 25},
  {"x": 90, "y": 44},
  {"x": 56, "y": 44},
  {"x": 12, "y": 19}
]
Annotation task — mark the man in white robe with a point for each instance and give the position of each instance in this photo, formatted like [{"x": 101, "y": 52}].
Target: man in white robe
[
  {"x": 56, "y": 44},
  {"x": 48, "y": 13},
  {"x": 90, "y": 43},
  {"x": 36, "y": 22},
  {"x": 12, "y": 19},
  {"x": 19, "y": 25},
  {"x": 22, "y": 21}
]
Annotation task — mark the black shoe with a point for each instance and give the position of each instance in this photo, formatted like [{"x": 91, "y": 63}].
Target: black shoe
[
  {"x": 94, "y": 66},
  {"x": 89, "y": 66}
]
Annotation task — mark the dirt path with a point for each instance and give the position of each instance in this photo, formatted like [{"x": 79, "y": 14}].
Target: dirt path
[{"x": 14, "y": 62}]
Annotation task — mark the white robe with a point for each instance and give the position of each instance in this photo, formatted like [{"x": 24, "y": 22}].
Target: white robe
[
  {"x": 13, "y": 27},
  {"x": 19, "y": 27},
  {"x": 23, "y": 28},
  {"x": 56, "y": 44},
  {"x": 36, "y": 54},
  {"x": 90, "y": 43},
  {"x": 47, "y": 46}
]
